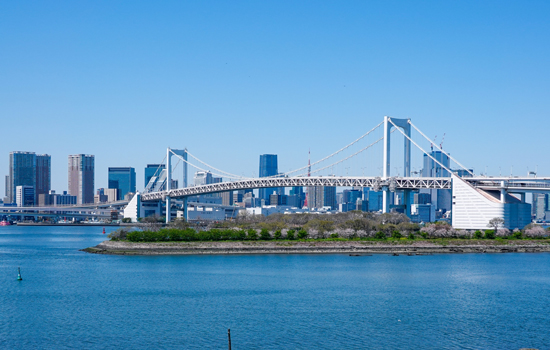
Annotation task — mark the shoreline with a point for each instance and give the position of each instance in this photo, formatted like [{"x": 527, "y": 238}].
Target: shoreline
[{"x": 305, "y": 247}]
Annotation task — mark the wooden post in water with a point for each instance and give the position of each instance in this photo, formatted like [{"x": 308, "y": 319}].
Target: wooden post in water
[{"x": 229, "y": 337}]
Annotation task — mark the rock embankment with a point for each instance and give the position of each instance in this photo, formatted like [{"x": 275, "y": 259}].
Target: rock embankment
[{"x": 322, "y": 247}]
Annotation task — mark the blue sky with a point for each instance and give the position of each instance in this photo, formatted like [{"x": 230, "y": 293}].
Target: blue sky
[{"x": 231, "y": 80}]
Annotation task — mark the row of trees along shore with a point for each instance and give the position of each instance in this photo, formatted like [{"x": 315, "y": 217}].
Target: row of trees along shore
[{"x": 341, "y": 226}]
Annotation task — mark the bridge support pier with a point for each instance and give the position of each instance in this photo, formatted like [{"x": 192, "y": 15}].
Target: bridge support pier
[
  {"x": 185, "y": 209},
  {"x": 386, "y": 200},
  {"x": 168, "y": 209},
  {"x": 502, "y": 192},
  {"x": 407, "y": 200}
]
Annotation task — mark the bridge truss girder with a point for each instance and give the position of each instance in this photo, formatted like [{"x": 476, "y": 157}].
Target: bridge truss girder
[{"x": 394, "y": 183}]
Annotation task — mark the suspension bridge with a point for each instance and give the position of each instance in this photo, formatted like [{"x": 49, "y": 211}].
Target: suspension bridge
[{"x": 475, "y": 199}]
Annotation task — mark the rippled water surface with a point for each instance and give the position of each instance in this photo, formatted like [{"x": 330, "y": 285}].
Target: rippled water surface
[{"x": 74, "y": 300}]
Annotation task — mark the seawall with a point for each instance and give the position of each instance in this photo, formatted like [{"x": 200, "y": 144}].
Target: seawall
[{"x": 322, "y": 247}]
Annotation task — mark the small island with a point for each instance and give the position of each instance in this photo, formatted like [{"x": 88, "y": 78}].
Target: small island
[{"x": 353, "y": 233}]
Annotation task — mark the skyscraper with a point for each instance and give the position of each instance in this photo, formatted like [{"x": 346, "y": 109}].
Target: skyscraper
[
  {"x": 22, "y": 170},
  {"x": 43, "y": 174},
  {"x": 441, "y": 198},
  {"x": 152, "y": 170},
  {"x": 268, "y": 167},
  {"x": 81, "y": 177},
  {"x": 123, "y": 179}
]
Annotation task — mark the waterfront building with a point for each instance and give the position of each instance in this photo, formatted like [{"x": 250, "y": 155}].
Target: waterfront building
[
  {"x": 52, "y": 198},
  {"x": 22, "y": 172},
  {"x": 81, "y": 177},
  {"x": 123, "y": 179},
  {"x": 473, "y": 208},
  {"x": 24, "y": 196}
]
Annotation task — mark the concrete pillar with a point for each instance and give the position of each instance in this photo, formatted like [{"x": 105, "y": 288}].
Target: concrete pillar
[
  {"x": 386, "y": 200},
  {"x": 522, "y": 197},
  {"x": 502, "y": 192},
  {"x": 185, "y": 208}
]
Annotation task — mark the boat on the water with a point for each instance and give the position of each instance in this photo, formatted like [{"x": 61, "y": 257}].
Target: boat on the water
[{"x": 5, "y": 223}]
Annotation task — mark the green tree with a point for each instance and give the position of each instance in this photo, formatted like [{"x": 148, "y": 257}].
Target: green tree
[
  {"x": 264, "y": 235},
  {"x": 490, "y": 234},
  {"x": 380, "y": 235},
  {"x": 277, "y": 234},
  {"x": 290, "y": 234},
  {"x": 411, "y": 236},
  {"x": 302, "y": 234},
  {"x": 251, "y": 235},
  {"x": 396, "y": 234}
]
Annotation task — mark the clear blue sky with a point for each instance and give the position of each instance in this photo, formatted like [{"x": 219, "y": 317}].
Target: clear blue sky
[{"x": 232, "y": 79}]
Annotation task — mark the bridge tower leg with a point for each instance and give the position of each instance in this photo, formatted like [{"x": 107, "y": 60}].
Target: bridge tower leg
[
  {"x": 406, "y": 126},
  {"x": 168, "y": 184}
]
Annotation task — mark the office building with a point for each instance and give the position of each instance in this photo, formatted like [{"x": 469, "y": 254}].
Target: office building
[
  {"x": 24, "y": 196},
  {"x": 440, "y": 198},
  {"x": 203, "y": 178},
  {"x": 152, "y": 170},
  {"x": 298, "y": 193},
  {"x": 268, "y": 167},
  {"x": 422, "y": 198},
  {"x": 123, "y": 180},
  {"x": 81, "y": 177},
  {"x": 100, "y": 196},
  {"x": 375, "y": 200},
  {"x": 51, "y": 198}
]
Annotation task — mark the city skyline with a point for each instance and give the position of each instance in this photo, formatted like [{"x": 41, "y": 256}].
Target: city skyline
[{"x": 473, "y": 71}]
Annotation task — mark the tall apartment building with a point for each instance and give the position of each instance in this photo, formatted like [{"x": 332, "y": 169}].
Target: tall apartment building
[
  {"x": 43, "y": 174},
  {"x": 22, "y": 172},
  {"x": 321, "y": 196},
  {"x": 81, "y": 177},
  {"x": 122, "y": 179}
]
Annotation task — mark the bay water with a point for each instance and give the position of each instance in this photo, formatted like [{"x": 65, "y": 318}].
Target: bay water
[{"x": 69, "y": 299}]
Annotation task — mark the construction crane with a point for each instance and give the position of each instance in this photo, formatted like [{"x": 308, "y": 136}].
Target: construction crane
[
  {"x": 432, "y": 144},
  {"x": 441, "y": 144}
]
